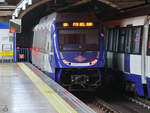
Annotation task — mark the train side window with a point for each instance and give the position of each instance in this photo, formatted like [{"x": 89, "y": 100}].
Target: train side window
[
  {"x": 136, "y": 40},
  {"x": 106, "y": 32},
  {"x": 40, "y": 39},
  {"x": 44, "y": 41},
  {"x": 148, "y": 43},
  {"x": 51, "y": 39},
  {"x": 36, "y": 41},
  {"x": 128, "y": 39},
  {"x": 35, "y": 32},
  {"x": 110, "y": 40},
  {"x": 48, "y": 47},
  {"x": 115, "y": 39},
  {"x": 121, "y": 40}
]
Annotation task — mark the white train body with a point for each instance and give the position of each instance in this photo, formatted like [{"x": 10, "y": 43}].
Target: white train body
[{"x": 128, "y": 50}]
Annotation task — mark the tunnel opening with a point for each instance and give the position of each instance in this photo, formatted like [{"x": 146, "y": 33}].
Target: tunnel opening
[{"x": 30, "y": 19}]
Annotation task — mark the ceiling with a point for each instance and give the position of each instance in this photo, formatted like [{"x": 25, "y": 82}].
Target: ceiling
[
  {"x": 127, "y": 4},
  {"x": 104, "y": 10},
  {"x": 10, "y": 2}
]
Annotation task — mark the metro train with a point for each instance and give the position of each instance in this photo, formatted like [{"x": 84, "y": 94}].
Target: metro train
[
  {"x": 69, "y": 48},
  {"x": 127, "y": 44}
]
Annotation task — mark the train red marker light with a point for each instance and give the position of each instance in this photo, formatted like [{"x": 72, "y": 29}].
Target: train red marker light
[
  {"x": 34, "y": 49},
  {"x": 17, "y": 48},
  {"x": 37, "y": 50},
  {"x": 33, "y": 53}
]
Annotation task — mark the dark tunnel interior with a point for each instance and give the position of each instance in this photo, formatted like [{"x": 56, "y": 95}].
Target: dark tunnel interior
[{"x": 24, "y": 39}]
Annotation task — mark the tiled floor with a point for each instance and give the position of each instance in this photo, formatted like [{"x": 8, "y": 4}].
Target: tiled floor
[{"x": 18, "y": 94}]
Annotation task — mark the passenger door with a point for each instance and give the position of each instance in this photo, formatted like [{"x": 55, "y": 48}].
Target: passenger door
[
  {"x": 136, "y": 54},
  {"x": 147, "y": 61}
]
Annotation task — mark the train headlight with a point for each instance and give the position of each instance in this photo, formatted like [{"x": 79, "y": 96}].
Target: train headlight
[
  {"x": 65, "y": 62},
  {"x": 54, "y": 35},
  {"x": 94, "y": 62}
]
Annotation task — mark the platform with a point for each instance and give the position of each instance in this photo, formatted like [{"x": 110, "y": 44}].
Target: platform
[{"x": 25, "y": 89}]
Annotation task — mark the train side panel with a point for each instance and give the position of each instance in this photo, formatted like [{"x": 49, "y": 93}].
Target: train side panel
[
  {"x": 129, "y": 49},
  {"x": 42, "y": 54}
]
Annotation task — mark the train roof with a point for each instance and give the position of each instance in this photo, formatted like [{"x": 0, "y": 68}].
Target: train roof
[
  {"x": 66, "y": 17},
  {"x": 82, "y": 16},
  {"x": 134, "y": 21}
]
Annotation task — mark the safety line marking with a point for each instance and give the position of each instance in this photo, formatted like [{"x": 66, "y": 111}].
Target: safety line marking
[
  {"x": 58, "y": 103},
  {"x": 6, "y": 53}
]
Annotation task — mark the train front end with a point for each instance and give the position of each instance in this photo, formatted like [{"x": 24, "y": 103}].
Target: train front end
[{"x": 79, "y": 54}]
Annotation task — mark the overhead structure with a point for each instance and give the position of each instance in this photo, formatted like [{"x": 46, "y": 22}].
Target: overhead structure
[
  {"x": 120, "y": 5},
  {"x": 21, "y": 6}
]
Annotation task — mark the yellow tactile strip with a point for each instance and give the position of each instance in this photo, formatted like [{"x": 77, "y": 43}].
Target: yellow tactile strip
[
  {"x": 6, "y": 53},
  {"x": 58, "y": 103}
]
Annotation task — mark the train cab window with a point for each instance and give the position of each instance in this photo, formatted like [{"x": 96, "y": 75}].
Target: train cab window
[
  {"x": 136, "y": 40},
  {"x": 128, "y": 39},
  {"x": 110, "y": 40},
  {"x": 148, "y": 43},
  {"x": 121, "y": 40},
  {"x": 78, "y": 39}
]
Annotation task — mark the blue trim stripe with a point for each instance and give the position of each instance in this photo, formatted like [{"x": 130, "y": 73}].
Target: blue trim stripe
[
  {"x": 148, "y": 87},
  {"x": 127, "y": 63},
  {"x": 4, "y": 25},
  {"x": 58, "y": 75},
  {"x": 137, "y": 80}
]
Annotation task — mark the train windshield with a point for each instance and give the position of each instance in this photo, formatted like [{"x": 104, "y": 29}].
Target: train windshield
[{"x": 78, "y": 39}]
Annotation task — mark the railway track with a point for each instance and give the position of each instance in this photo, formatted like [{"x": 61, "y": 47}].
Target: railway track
[{"x": 115, "y": 103}]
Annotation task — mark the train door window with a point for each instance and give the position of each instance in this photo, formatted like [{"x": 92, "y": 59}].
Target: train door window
[
  {"x": 121, "y": 41},
  {"x": 136, "y": 40},
  {"x": 128, "y": 39},
  {"x": 115, "y": 39},
  {"x": 110, "y": 40},
  {"x": 148, "y": 43}
]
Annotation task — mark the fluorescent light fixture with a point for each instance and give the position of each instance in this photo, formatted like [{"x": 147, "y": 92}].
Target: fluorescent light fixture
[
  {"x": 29, "y": 2},
  {"x": 13, "y": 17},
  {"x": 24, "y": 6},
  {"x": 2, "y": 1}
]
